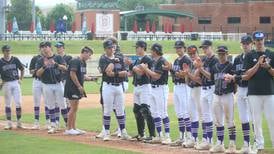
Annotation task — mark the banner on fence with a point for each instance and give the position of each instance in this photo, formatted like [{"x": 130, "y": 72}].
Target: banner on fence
[{"x": 104, "y": 24}]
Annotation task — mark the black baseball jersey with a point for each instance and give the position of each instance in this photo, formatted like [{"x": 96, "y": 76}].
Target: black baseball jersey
[
  {"x": 238, "y": 69},
  {"x": 67, "y": 59},
  {"x": 79, "y": 67},
  {"x": 119, "y": 54},
  {"x": 261, "y": 83},
  {"x": 9, "y": 69},
  {"x": 33, "y": 63},
  {"x": 208, "y": 64},
  {"x": 177, "y": 66},
  {"x": 141, "y": 79},
  {"x": 52, "y": 74},
  {"x": 118, "y": 62},
  {"x": 157, "y": 67},
  {"x": 217, "y": 74},
  {"x": 192, "y": 83}
]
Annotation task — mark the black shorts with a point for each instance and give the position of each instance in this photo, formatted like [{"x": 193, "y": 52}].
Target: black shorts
[{"x": 72, "y": 94}]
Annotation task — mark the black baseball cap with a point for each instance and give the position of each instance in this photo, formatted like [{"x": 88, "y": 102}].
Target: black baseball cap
[
  {"x": 59, "y": 44},
  {"x": 45, "y": 44},
  {"x": 6, "y": 48},
  {"x": 141, "y": 44},
  {"x": 246, "y": 39},
  {"x": 179, "y": 44},
  {"x": 192, "y": 49},
  {"x": 222, "y": 49},
  {"x": 258, "y": 35},
  {"x": 206, "y": 43},
  {"x": 108, "y": 43},
  {"x": 157, "y": 47}
]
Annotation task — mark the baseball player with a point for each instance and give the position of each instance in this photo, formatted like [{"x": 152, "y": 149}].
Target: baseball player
[
  {"x": 223, "y": 102},
  {"x": 259, "y": 73},
  {"x": 204, "y": 67},
  {"x": 113, "y": 71},
  {"x": 74, "y": 87},
  {"x": 49, "y": 69},
  {"x": 180, "y": 96},
  {"x": 159, "y": 93},
  {"x": 37, "y": 90},
  {"x": 194, "y": 84},
  {"x": 60, "y": 46},
  {"x": 9, "y": 66},
  {"x": 142, "y": 93},
  {"x": 242, "y": 101}
]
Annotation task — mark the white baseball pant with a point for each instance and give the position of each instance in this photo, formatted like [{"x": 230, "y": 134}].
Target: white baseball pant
[{"x": 11, "y": 90}]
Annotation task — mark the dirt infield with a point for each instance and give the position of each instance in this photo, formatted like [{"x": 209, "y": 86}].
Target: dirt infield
[
  {"x": 92, "y": 101},
  {"x": 115, "y": 143}
]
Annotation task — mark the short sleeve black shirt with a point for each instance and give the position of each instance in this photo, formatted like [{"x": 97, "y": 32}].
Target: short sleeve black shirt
[
  {"x": 9, "y": 69},
  {"x": 208, "y": 64},
  {"x": 177, "y": 66},
  {"x": 238, "y": 69},
  {"x": 142, "y": 79},
  {"x": 157, "y": 67},
  {"x": 33, "y": 63},
  {"x": 79, "y": 67}
]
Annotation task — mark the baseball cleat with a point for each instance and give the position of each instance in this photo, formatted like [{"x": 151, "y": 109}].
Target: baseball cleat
[
  {"x": 36, "y": 125},
  {"x": 204, "y": 145},
  {"x": 71, "y": 132},
  {"x": 155, "y": 140},
  {"x": 52, "y": 130},
  {"x": 189, "y": 143},
  {"x": 166, "y": 141},
  {"x": 218, "y": 148},
  {"x": 106, "y": 137},
  {"x": 81, "y": 131},
  {"x": 19, "y": 125},
  {"x": 231, "y": 148},
  {"x": 137, "y": 138},
  {"x": 147, "y": 139},
  {"x": 245, "y": 149},
  {"x": 124, "y": 135},
  {"x": 8, "y": 126},
  {"x": 101, "y": 134},
  {"x": 177, "y": 142}
]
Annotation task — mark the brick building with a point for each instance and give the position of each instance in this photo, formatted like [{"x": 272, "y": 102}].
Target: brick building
[{"x": 224, "y": 15}]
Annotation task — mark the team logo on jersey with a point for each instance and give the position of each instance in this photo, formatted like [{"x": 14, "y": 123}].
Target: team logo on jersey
[{"x": 254, "y": 60}]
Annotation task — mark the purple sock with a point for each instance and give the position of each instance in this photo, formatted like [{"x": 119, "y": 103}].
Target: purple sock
[
  {"x": 181, "y": 124},
  {"x": 209, "y": 130},
  {"x": 188, "y": 124},
  {"x": 8, "y": 113},
  {"x": 220, "y": 133},
  {"x": 232, "y": 133},
  {"x": 36, "y": 113},
  {"x": 18, "y": 113},
  {"x": 57, "y": 114},
  {"x": 107, "y": 122},
  {"x": 194, "y": 129},
  {"x": 52, "y": 115},
  {"x": 166, "y": 124},
  {"x": 47, "y": 113},
  {"x": 246, "y": 132},
  {"x": 158, "y": 124},
  {"x": 204, "y": 130},
  {"x": 64, "y": 113},
  {"x": 121, "y": 121}
]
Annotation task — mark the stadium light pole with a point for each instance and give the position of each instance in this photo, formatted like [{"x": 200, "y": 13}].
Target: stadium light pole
[{"x": 3, "y": 4}]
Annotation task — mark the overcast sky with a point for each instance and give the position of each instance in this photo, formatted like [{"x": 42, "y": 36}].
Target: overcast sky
[{"x": 49, "y": 3}]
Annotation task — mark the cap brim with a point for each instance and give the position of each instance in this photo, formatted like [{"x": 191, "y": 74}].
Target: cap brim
[
  {"x": 178, "y": 46},
  {"x": 203, "y": 46}
]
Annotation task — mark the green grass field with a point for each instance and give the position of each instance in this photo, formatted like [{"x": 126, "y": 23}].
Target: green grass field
[
  {"x": 13, "y": 143},
  {"x": 73, "y": 47}
]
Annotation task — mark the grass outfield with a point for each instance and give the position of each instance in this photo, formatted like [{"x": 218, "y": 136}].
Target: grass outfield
[
  {"x": 73, "y": 47},
  {"x": 90, "y": 119},
  {"x": 12, "y": 143}
]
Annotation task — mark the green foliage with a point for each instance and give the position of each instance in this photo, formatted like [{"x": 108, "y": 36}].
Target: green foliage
[
  {"x": 41, "y": 16},
  {"x": 22, "y": 11},
  {"x": 58, "y": 12}
]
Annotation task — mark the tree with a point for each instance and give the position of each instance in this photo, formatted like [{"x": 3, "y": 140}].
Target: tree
[
  {"x": 126, "y": 5},
  {"x": 22, "y": 11},
  {"x": 58, "y": 12}
]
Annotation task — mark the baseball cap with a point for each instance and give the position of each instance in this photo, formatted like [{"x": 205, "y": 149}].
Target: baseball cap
[
  {"x": 59, "y": 44},
  {"x": 206, "y": 43},
  {"x": 192, "y": 49},
  {"x": 246, "y": 39},
  {"x": 141, "y": 44},
  {"x": 258, "y": 35},
  {"x": 6, "y": 48},
  {"x": 45, "y": 44},
  {"x": 222, "y": 49},
  {"x": 108, "y": 44},
  {"x": 179, "y": 44},
  {"x": 157, "y": 47}
]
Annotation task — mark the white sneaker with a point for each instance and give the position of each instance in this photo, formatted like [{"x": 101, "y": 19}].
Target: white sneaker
[
  {"x": 124, "y": 135},
  {"x": 218, "y": 148},
  {"x": 189, "y": 143},
  {"x": 19, "y": 124},
  {"x": 36, "y": 125},
  {"x": 156, "y": 140},
  {"x": 71, "y": 132},
  {"x": 204, "y": 145},
  {"x": 177, "y": 142},
  {"x": 231, "y": 148},
  {"x": 52, "y": 130},
  {"x": 8, "y": 125},
  {"x": 106, "y": 137},
  {"x": 48, "y": 125},
  {"x": 101, "y": 134},
  {"x": 57, "y": 125},
  {"x": 245, "y": 149},
  {"x": 81, "y": 131},
  {"x": 166, "y": 141}
]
